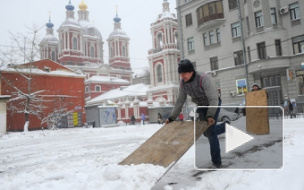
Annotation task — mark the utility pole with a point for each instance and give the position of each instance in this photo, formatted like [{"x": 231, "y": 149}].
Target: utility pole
[{"x": 243, "y": 44}]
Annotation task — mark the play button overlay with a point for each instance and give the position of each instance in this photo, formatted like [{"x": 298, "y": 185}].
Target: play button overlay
[
  {"x": 235, "y": 138},
  {"x": 241, "y": 143}
]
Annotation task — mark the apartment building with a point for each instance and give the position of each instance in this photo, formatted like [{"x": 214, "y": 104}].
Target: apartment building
[{"x": 261, "y": 42}]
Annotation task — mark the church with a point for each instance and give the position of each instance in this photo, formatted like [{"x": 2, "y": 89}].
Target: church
[{"x": 79, "y": 46}]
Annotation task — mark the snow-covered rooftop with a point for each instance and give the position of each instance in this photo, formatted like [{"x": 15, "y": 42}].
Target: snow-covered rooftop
[
  {"x": 39, "y": 71},
  {"x": 132, "y": 90},
  {"x": 163, "y": 87},
  {"x": 106, "y": 79}
]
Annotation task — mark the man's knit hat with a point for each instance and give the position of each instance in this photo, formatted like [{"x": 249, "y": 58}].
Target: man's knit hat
[
  {"x": 185, "y": 66},
  {"x": 255, "y": 84}
]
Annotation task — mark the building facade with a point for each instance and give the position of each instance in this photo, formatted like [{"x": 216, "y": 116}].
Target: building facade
[
  {"x": 164, "y": 57},
  {"x": 49, "y": 86},
  {"x": 266, "y": 47}
]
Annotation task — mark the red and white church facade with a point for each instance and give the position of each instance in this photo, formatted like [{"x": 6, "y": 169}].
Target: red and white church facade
[{"x": 79, "y": 46}]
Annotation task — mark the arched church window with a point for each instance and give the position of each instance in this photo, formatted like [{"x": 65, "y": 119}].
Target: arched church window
[
  {"x": 92, "y": 52},
  {"x": 111, "y": 52},
  {"x": 159, "y": 41},
  {"x": 53, "y": 56},
  {"x": 74, "y": 43},
  {"x": 97, "y": 88},
  {"x": 123, "y": 51},
  {"x": 159, "y": 73}
]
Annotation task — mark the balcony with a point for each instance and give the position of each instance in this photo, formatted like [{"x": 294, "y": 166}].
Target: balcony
[{"x": 269, "y": 63}]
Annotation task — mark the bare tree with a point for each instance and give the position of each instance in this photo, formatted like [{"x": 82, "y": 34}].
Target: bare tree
[
  {"x": 146, "y": 75},
  {"x": 23, "y": 100}
]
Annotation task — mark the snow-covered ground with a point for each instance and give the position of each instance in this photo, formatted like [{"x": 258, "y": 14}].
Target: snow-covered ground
[{"x": 87, "y": 158}]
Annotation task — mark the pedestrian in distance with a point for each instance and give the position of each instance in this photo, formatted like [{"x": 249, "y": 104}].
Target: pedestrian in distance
[
  {"x": 160, "y": 118},
  {"x": 133, "y": 120},
  {"x": 200, "y": 87},
  {"x": 290, "y": 108},
  {"x": 143, "y": 118},
  {"x": 181, "y": 117},
  {"x": 255, "y": 87}
]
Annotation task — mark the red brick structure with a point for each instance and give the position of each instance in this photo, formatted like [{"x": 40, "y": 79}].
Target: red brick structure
[{"x": 60, "y": 86}]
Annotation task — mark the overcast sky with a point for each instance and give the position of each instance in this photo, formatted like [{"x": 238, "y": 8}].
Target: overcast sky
[{"x": 136, "y": 17}]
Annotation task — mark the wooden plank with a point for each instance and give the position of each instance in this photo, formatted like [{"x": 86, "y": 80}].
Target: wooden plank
[
  {"x": 257, "y": 121},
  {"x": 167, "y": 145}
]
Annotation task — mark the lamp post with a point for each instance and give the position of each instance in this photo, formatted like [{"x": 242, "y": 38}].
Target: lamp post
[{"x": 243, "y": 43}]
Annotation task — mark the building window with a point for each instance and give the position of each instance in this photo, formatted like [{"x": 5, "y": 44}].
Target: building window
[
  {"x": 259, "y": 19},
  {"x": 97, "y": 88},
  {"x": 248, "y": 25},
  {"x": 211, "y": 37},
  {"x": 214, "y": 63},
  {"x": 271, "y": 81},
  {"x": 210, "y": 11},
  {"x": 53, "y": 56},
  {"x": 86, "y": 89},
  {"x": 205, "y": 39},
  {"x": 298, "y": 44},
  {"x": 261, "y": 50},
  {"x": 92, "y": 52},
  {"x": 232, "y": 4},
  {"x": 294, "y": 11},
  {"x": 188, "y": 19},
  {"x": 236, "y": 29},
  {"x": 241, "y": 87},
  {"x": 278, "y": 47},
  {"x": 74, "y": 43},
  {"x": 218, "y": 35},
  {"x": 190, "y": 44},
  {"x": 273, "y": 16},
  {"x": 300, "y": 81},
  {"x": 159, "y": 73},
  {"x": 238, "y": 58}
]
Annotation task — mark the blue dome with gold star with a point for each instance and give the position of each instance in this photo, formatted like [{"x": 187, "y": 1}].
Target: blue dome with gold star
[
  {"x": 69, "y": 7},
  {"x": 49, "y": 24},
  {"x": 117, "y": 19}
]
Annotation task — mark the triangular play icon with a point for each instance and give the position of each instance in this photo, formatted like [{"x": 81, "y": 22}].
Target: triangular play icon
[{"x": 235, "y": 138}]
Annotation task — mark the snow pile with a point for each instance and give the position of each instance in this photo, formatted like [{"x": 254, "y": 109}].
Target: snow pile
[{"x": 87, "y": 158}]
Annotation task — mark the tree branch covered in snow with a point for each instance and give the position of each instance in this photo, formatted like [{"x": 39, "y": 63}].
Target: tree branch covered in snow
[
  {"x": 23, "y": 101},
  {"x": 55, "y": 119}
]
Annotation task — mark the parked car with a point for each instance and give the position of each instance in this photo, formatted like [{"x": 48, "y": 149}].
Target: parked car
[{"x": 225, "y": 115}]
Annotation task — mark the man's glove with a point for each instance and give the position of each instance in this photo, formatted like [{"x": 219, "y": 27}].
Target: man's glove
[{"x": 169, "y": 120}]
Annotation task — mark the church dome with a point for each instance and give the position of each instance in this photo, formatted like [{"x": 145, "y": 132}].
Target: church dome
[
  {"x": 83, "y": 6},
  {"x": 89, "y": 29},
  {"x": 49, "y": 39},
  {"x": 70, "y": 21},
  {"x": 117, "y": 29},
  {"x": 69, "y": 7},
  {"x": 117, "y": 19},
  {"x": 49, "y": 24},
  {"x": 118, "y": 32}
]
